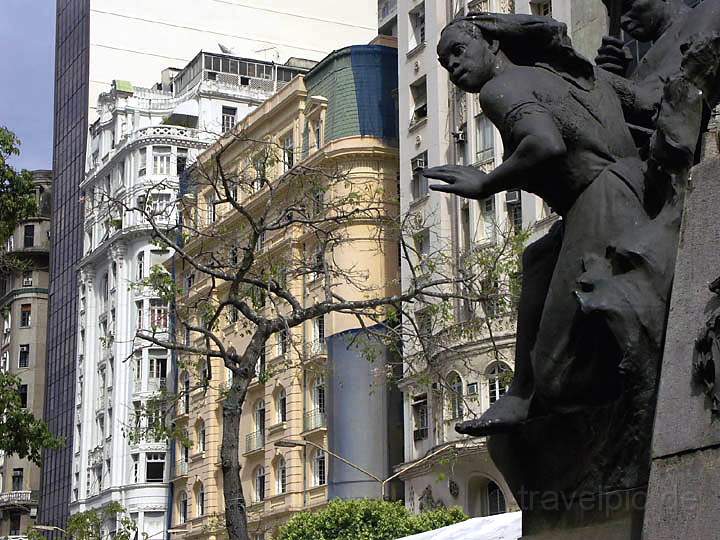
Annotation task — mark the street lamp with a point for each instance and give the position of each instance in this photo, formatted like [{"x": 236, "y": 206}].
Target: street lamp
[{"x": 289, "y": 443}]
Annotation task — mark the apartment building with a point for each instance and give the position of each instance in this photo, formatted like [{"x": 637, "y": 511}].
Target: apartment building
[
  {"x": 140, "y": 145},
  {"x": 24, "y": 304},
  {"x": 97, "y": 42},
  {"x": 440, "y": 124},
  {"x": 313, "y": 391}
]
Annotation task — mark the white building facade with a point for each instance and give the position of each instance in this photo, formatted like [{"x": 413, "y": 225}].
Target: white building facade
[{"x": 440, "y": 124}]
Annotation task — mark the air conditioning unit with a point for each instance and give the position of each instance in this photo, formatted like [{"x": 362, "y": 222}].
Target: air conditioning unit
[
  {"x": 460, "y": 136},
  {"x": 512, "y": 197},
  {"x": 418, "y": 163},
  {"x": 33, "y": 512}
]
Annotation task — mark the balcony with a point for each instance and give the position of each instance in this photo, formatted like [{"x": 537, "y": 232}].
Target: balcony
[
  {"x": 314, "y": 419},
  {"x": 386, "y": 11},
  {"x": 156, "y": 384},
  {"x": 254, "y": 441},
  {"x": 315, "y": 348},
  {"x": 181, "y": 468},
  {"x": 19, "y": 498}
]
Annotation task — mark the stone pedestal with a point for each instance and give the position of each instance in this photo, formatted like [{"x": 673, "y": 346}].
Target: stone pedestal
[{"x": 684, "y": 489}]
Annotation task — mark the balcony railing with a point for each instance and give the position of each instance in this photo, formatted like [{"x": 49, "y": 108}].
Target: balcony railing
[
  {"x": 254, "y": 441},
  {"x": 314, "y": 419},
  {"x": 316, "y": 347},
  {"x": 181, "y": 469},
  {"x": 156, "y": 384},
  {"x": 12, "y": 498}
]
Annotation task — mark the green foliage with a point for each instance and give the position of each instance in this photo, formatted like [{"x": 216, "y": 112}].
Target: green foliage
[
  {"x": 88, "y": 525},
  {"x": 20, "y": 432},
  {"x": 17, "y": 200},
  {"x": 366, "y": 519}
]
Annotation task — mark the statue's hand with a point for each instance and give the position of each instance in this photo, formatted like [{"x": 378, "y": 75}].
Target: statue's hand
[
  {"x": 613, "y": 56},
  {"x": 465, "y": 181}
]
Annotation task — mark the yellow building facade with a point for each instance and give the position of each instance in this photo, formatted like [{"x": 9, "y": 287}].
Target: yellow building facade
[{"x": 322, "y": 121}]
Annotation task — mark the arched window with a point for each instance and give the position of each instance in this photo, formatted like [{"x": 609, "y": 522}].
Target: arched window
[
  {"x": 183, "y": 507},
  {"x": 496, "y": 499},
  {"x": 319, "y": 466},
  {"x": 455, "y": 396},
  {"x": 201, "y": 436},
  {"x": 260, "y": 415},
  {"x": 199, "y": 500},
  {"x": 260, "y": 484},
  {"x": 318, "y": 395},
  {"x": 498, "y": 380},
  {"x": 280, "y": 476},
  {"x": 281, "y": 405}
]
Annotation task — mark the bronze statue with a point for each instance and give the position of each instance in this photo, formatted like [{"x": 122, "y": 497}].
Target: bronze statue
[{"x": 577, "y": 418}]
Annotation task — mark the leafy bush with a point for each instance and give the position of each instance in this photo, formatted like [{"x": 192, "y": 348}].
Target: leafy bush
[{"x": 366, "y": 519}]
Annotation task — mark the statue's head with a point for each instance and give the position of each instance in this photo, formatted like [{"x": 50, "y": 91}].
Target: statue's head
[
  {"x": 644, "y": 20},
  {"x": 467, "y": 55}
]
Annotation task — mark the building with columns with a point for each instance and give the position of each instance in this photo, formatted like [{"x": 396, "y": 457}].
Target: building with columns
[{"x": 24, "y": 306}]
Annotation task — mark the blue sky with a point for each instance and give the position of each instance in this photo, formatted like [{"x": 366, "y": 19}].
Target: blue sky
[{"x": 27, "y": 42}]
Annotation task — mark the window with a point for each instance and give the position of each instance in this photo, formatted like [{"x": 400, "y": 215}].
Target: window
[
  {"x": 135, "y": 469},
  {"x": 319, "y": 468},
  {"x": 496, "y": 499},
  {"x": 487, "y": 209},
  {"x": 543, "y": 8},
  {"x": 158, "y": 314},
  {"x": 140, "y": 266},
  {"x": 183, "y": 508},
  {"x": 17, "y": 480},
  {"x": 260, "y": 416},
  {"x": 515, "y": 211},
  {"x": 420, "y": 417},
  {"x": 281, "y": 405},
  {"x": 228, "y": 118},
  {"x": 418, "y": 91},
  {"x": 142, "y": 162},
  {"x": 186, "y": 394},
  {"x": 318, "y": 334},
  {"x": 318, "y": 263},
  {"x": 25, "y": 315},
  {"x": 159, "y": 204},
  {"x": 161, "y": 160},
  {"x": 200, "y": 500},
  {"x": 318, "y": 395},
  {"x": 15, "y": 524},
  {"x": 422, "y": 250},
  {"x": 417, "y": 27},
  {"x": 419, "y": 182},
  {"x": 318, "y": 133},
  {"x": 29, "y": 236},
  {"x": 260, "y": 167},
  {"x": 24, "y": 356},
  {"x": 284, "y": 341},
  {"x": 472, "y": 389},
  {"x": 455, "y": 389},
  {"x": 158, "y": 366},
  {"x": 260, "y": 484},
  {"x": 201, "y": 436},
  {"x": 140, "y": 316},
  {"x": 280, "y": 476},
  {"x": 498, "y": 381},
  {"x": 288, "y": 145},
  {"x": 181, "y": 161},
  {"x": 484, "y": 140},
  {"x": 155, "y": 467},
  {"x": 211, "y": 208}
]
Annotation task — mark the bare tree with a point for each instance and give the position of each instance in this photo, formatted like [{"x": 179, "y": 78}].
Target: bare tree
[{"x": 248, "y": 232}]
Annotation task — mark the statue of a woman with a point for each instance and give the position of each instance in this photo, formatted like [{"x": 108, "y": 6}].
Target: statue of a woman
[{"x": 566, "y": 141}]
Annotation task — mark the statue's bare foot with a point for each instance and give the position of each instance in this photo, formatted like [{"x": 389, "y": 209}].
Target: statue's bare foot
[{"x": 502, "y": 416}]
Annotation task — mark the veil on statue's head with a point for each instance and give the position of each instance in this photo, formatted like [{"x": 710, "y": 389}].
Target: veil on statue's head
[{"x": 534, "y": 40}]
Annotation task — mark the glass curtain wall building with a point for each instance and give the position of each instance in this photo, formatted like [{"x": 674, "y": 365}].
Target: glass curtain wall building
[{"x": 71, "y": 109}]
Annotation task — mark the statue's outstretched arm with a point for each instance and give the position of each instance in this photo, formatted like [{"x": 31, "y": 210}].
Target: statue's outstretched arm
[{"x": 536, "y": 140}]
